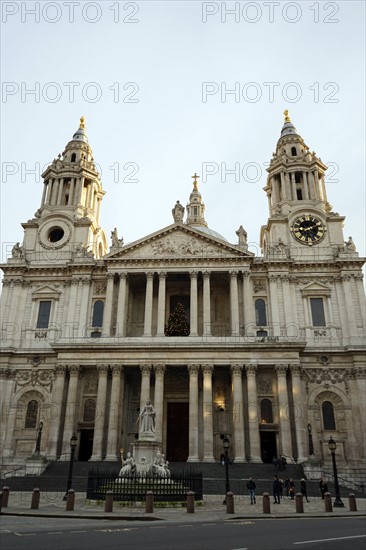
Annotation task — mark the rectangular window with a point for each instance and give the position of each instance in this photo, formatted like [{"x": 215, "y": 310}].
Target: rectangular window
[
  {"x": 44, "y": 314},
  {"x": 317, "y": 312}
]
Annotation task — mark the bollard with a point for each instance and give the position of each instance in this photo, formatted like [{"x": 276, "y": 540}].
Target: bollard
[
  {"x": 190, "y": 502},
  {"x": 352, "y": 502},
  {"x": 229, "y": 503},
  {"x": 328, "y": 502},
  {"x": 108, "y": 507},
  {"x": 5, "y": 497},
  {"x": 266, "y": 504},
  {"x": 299, "y": 503},
  {"x": 70, "y": 501},
  {"x": 149, "y": 507},
  {"x": 35, "y": 499}
]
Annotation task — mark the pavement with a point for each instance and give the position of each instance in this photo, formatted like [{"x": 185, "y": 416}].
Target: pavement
[{"x": 210, "y": 509}]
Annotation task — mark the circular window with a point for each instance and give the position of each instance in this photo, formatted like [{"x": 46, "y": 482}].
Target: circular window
[{"x": 56, "y": 234}]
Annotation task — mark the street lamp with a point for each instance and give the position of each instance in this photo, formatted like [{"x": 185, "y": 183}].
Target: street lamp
[
  {"x": 332, "y": 447},
  {"x": 226, "y": 445},
  {"x": 38, "y": 441},
  {"x": 73, "y": 444}
]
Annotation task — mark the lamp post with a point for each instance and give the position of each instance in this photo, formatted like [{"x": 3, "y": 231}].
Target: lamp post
[
  {"x": 332, "y": 447},
  {"x": 38, "y": 441},
  {"x": 73, "y": 444},
  {"x": 226, "y": 445}
]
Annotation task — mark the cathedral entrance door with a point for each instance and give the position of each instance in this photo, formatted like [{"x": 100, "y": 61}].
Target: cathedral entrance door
[
  {"x": 86, "y": 444},
  {"x": 268, "y": 446},
  {"x": 177, "y": 432}
]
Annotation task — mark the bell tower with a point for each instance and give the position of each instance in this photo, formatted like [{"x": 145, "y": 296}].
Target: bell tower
[
  {"x": 300, "y": 216},
  {"x": 67, "y": 222}
]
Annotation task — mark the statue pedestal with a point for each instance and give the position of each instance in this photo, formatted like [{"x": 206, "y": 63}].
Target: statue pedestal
[{"x": 144, "y": 452}]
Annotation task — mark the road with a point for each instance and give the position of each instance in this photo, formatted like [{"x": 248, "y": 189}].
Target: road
[{"x": 35, "y": 533}]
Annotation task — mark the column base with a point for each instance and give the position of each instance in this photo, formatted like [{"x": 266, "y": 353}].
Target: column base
[
  {"x": 208, "y": 459},
  {"x": 193, "y": 459},
  {"x": 111, "y": 458},
  {"x": 240, "y": 459},
  {"x": 95, "y": 458},
  {"x": 256, "y": 459}
]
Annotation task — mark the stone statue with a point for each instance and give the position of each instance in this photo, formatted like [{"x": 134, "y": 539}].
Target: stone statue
[
  {"x": 178, "y": 212},
  {"x": 128, "y": 466},
  {"x": 115, "y": 240},
  {"x": 147, "y": 418},
  {"x": 17, "y": 251},
  {"x": 160, "y": 466},
  {"x": 350, "y": 245},
  {"x": 242, "y": 234}
]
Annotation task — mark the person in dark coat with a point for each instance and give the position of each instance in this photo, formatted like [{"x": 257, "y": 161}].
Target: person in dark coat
[
  {"x": 323, "y": 487},
  {"x": 276, "y": 489},
  {"x": 292, "y": 489},
  {"x": 251, "y": 490},
  {"x": 303, "y": 489}
]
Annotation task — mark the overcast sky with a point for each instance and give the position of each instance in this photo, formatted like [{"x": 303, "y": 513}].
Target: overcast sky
[{"x": 153, "y": 81}]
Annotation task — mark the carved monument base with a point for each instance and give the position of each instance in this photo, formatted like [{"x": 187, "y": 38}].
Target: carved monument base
[{"x": 144, "y": 452}]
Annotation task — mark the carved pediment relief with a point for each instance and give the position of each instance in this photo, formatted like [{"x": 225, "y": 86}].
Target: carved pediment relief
[
  {"x": 44, "y": 292},
  {"x": 178, "y": 242},
  {"x": 315, "y": 288}
]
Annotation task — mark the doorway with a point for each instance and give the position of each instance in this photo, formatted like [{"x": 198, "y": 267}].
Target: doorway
[
  {"x": 177, "y": 432},
  {"x": 86, "y": 444},
  {"x": 268, "y": 446}
]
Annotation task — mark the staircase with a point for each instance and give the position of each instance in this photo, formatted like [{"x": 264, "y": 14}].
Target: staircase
[{"x": 55, "y": 477}]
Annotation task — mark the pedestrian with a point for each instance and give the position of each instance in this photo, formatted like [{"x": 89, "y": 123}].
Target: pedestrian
[
  {"x": 287, "y": 486},
  {"x": 276, "y": 489},
  {"x": 323, "y": 487},
  {"x": 251, "y": 489},
  {"x": 281, "y": 487},
  {"x": 292, "y": 489},
  {"x": 303, "y": 489}
]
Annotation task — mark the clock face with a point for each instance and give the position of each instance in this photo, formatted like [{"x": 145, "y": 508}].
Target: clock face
[{"x": 308, "y": 230}]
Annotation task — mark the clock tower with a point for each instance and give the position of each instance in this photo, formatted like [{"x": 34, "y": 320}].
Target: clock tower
[{"x": 301, "y": 221}]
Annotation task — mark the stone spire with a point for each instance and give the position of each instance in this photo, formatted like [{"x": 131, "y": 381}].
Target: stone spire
[{"x": 195, "y": 207}]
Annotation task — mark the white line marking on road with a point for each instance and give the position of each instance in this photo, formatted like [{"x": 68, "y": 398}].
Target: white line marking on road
[
  {"x": 329, "y": 540},
  {"x": 80, "y": 531},
  {"x": 25, "y": 534},
  {"x": 55, "y": 533}
]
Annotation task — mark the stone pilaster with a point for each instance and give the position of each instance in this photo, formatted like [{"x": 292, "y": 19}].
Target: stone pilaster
[
  {"x": 300, "y": 424},
  {"x": 194, "y": 304},
  {"x": 275, "y": 317},
  {"x": 55, "y": 412},
  {"x": 206, "y": 304},
  {"x": 121, "y": 307},
  {"x": 145, "y": 384},
  {"x": 234, "y": 303},
  {"x": 161, "y": 303},
  {"x": 70, "y": 414},
  {"x": 148, "y": 303},
  {"x": 249, "y": 318},
  {"x": 107, "y": 316},
  {"x": 159, "y": 400}
]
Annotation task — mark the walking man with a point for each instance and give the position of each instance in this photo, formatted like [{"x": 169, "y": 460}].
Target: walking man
[
  {"x": 251, "y": 490},
  {"x": 276, "y": 489}
]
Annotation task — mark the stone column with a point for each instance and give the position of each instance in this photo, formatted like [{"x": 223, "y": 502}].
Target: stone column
[
  {"x": 305, "y": 186},
  {"x": 254, "y": 439},
  {"x": 55, "y": 411},
  {"x": 291, "y": 326},
  {"x": 114, "y": 413},
  {"x": 60, "y": 189},
  {"x": 275, "y": 317},
  {"x": 300, "y": 425},
  {"x": 207, "y": 414},
  {"x": 49, "y": 191},
  {"x": 72, "y": 192},
  {"x": 44, "y": 193},
  {"x": 347, "y": 287},
  {"x": 70, "y": 420},
  {"x": 145, "y": 384},
  {"x": 249, "y": 318},
  {"x": 193, "y": 413},
  {"x": 161, "y": 304},
  {"x": 293, "y": 186},
  {"x": 159, "y": 400},
  {"x": 148, "y": 303},
  {"x": 71, "y": 308},
  {"x": 284, "y": 416},
  {"x": 238, "y": 417},
  {"x": 12, "y": 411},
  {"x": 194, "y": 304},
  {"x": 234, "y": 303},
  {"x": 99, "y": 423},
  {"x": 121, "y": 307},
  {"x": 206, "y": 304},
  {"x": 107, "y": 315}
]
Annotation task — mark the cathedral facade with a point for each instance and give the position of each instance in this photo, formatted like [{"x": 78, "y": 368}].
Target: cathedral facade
[{"x": 267, "y": 350}]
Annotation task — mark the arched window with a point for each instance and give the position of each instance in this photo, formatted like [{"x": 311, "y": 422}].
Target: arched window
[
  {"x": 293, "y": 151},
  {"x": 266, "y": 411},
  {"x": 73, "y": 157},
  {"x": 89, "y": 410},
  {"x": 31, "y": 414},
  {"x": 98, "y": 309},
  {"x": 260, "y": 313},
  {"x": 328, "y": 416}
]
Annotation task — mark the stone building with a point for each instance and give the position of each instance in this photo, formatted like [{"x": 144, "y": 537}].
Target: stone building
[{"x": 274, "y": 357}]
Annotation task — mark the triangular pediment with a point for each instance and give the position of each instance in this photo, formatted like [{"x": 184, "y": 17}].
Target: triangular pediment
[
  {"x": 46, "y": 291},
  {"x": 315, "y": 288},
  {"x": 177, "y": 241}
]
